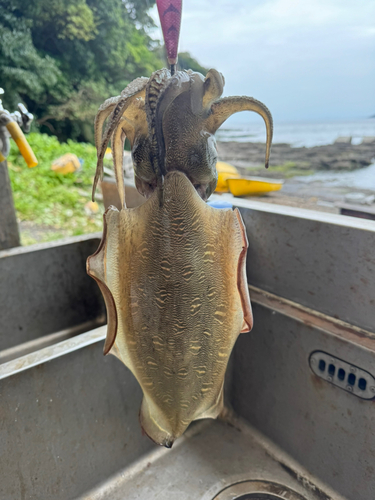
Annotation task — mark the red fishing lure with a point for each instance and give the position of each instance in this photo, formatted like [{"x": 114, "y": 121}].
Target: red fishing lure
[{"x": 170, "y": 18}]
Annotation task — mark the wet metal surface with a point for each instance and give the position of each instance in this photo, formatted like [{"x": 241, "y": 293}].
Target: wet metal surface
[
  {"x": 45, "y": 289},
  {"x": 326, "y": 429},
  {"x": 49, "y": 353},
  {"x": 69, "y": 417},
  {"x": 212, "y": 456},
  {"x": 323, "y": 261},
  {"x": 310, "y": 317},
  {"x": 68, "y": 423},
  {"x": 360, "y": 211},
  {"x": 25, "y": 348}
]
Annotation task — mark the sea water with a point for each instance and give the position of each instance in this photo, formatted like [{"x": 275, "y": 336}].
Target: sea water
[
  {"x": 312, "y": 134},
  {"x": 361, "y": 179},
  {"x": 299, "y": 133}
]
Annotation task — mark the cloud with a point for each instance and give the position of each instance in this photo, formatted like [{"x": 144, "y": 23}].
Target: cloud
[{"x": 306, "y": 58}]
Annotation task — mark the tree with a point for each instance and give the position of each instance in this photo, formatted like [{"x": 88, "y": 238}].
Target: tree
[
  {"x": 23, "y": 71},
  {"x": 63, "y": 58},
  {"x": 187, "y": 61}
]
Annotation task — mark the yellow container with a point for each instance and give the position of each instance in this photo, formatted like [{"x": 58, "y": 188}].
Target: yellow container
[
  {"x": 66, "y": 164},
  {"x": 225, "y": 171},
  {"x": 253, "y": 186}
]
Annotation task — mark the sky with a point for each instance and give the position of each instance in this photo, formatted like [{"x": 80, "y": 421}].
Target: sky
[{"x": 307, "y": 60}]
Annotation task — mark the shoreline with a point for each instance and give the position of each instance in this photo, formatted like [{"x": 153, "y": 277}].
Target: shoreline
[
  {"x": 292, "y": 163},
  {"x": 287, "y": 161}
]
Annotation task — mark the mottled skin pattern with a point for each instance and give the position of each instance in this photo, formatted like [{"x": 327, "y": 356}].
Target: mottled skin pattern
[
  {"x": 171, "y": 122},
  {"x": 173, "y": 272}
]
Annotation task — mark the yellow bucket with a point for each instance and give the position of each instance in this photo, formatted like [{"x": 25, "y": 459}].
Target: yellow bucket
[{"x": 66, "y": 164}]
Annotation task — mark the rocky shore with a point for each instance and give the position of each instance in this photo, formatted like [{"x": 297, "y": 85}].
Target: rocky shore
[
  {"x": 313, "y": 192},
  {"x": 248, "y": 157}
]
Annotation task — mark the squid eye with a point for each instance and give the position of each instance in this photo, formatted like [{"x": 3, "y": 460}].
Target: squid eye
[{"x": 195, "y": 158}]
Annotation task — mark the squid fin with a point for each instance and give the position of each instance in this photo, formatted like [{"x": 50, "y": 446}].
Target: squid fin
[
  {"x": 242, "y": 280},
  {"x": 95, "y": 269},
  {"x": 154, "y": 425},
  {"x": 216, "y": 408}
]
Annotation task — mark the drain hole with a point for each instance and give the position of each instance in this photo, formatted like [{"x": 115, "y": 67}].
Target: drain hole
[
  {"x": 362, "y": 384},
  {"x": 258, "y": 496},
  {"x": 249, "y": 490},
  {"x": 322, "y": 365},
  {"x": 331, "y": 370},
  {"x": 342, "y": 374}
]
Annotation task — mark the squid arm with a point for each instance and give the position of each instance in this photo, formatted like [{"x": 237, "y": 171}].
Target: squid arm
[
  {"x": 133, "y": 90},
  {"x": 222, "y": 109},
  {"x": 103, "y": 112}
]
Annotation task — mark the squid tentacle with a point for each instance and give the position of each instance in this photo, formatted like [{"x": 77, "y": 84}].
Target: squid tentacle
[
  {"x": 155, "y": 88},
  {"x": 227, "y": 106},
  {"x": 103, "y": 112},
  {"x": 117, "y": 141},
  {"x": 134, "y": 89}
]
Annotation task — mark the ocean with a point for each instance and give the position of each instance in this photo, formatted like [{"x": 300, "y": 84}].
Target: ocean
[
  {"x": 299, "y": 133},
  {"x": 312, "y": 134}
]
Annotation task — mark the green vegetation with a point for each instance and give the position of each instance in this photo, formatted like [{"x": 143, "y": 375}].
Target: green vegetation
[
  {"x": 285, "y": 171},
  {"x": 291, "y": 169},
  {"x": 63, "y": 58},
  {"x": 53, "y": 202},
  {"x": 187, "y": 61}
]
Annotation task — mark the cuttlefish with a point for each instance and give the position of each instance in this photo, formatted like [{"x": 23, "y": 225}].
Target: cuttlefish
[{"x": 172, "y": 271}]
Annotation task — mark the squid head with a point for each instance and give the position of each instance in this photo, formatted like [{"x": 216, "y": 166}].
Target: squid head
[{"x": 171, "y": 122}]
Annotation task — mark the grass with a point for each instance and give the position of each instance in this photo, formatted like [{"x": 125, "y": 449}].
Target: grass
[{"x": 53, "y": 203}]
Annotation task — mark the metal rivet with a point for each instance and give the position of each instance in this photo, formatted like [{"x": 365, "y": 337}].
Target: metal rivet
[
  {"x": 349, "y": 388},
  {"x": 352, "y": 369},
  {"x": 329, "y": 379},
  {"x": 312, "y": 360},
  {"x": 372, "y": 389}
]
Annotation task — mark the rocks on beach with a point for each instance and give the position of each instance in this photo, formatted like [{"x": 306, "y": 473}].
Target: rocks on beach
[
  {"x": 341, "y": 155},
  {"x": 288, "y": 162}
]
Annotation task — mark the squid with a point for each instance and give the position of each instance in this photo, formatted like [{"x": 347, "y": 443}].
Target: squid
[{"x": 172, "y": 271}]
